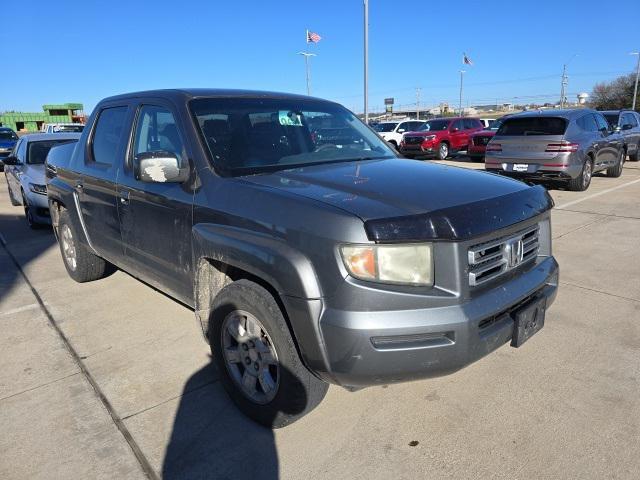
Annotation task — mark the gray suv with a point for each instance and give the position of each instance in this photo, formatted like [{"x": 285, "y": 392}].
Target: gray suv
[
  {"x": 565, "y": 145},
  {"x": 627, "y": 122},
  {"x": 310, "y": 253}
]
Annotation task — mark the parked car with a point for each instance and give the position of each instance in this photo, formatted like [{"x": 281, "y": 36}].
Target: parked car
[
  {"x": 62, "y": 128},
  {"x": 25, "y": 174},
  {"x": 306, "y": 264},
  {"x": 478, "y": 141},
  {"x": 392, "y": 131},
  {"x": 440, "y": 137},
  {"x": 487, "y": 122},
  {"x": 8, "y": 139},
  {"x": 564, "y": 145},
  {"x": 627, "y": 123}
]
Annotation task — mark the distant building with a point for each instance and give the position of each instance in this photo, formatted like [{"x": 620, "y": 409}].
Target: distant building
[{"x": 32, "y": 122}]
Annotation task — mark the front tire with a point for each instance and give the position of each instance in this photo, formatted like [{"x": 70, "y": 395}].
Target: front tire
[
  {"x": 28, "y": 214},
  {"x": 257, "y": 359},
  {"x": 443, "y": 151},
  {"x": 582, "y": 181},
  {"x": 82, "y": 265},
  {"x": 616, "y": 170}
]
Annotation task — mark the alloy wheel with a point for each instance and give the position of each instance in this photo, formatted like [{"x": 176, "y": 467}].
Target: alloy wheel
[
  {"x": 250, "y": 356},
  {"x": 68, "y": 247},
  {"x": 444, "y": 150},
  {"x": 586, "y": 175}
]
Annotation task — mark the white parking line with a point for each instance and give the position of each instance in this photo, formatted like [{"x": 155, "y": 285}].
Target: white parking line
[
  {"x": 20, "y": 309},
  {"x": 589, "y": 197}
]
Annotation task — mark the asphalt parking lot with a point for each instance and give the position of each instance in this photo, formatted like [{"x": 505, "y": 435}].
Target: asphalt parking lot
[{"x": 112, "y": 379}]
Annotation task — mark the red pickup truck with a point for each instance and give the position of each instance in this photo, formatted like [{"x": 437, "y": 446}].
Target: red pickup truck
[{"x": 440, "y": 137}]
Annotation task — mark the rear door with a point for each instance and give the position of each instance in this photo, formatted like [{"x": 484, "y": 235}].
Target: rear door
[
  {"x": 632, "y": 132},
  {"x": 457, "y": 135},
  {"x": 610, "y": 142},
  {"x": 156, "y": 218},
  {"x": 95, "y": 188}
]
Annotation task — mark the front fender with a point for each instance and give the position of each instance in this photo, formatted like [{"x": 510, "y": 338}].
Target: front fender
[{"x": 271, "y": 259}]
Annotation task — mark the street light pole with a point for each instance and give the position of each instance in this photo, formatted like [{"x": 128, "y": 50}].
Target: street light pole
[
  {"x": 635, "y": 90},
  {"x": 306, "y": 56},
  {"x": 366, "y": 61},
  {"x": 462, "y": 72},
  {"x": 418, "y": 103}
]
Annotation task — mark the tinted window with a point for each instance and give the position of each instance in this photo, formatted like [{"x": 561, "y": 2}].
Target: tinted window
[
  {"x": 602, "y": 123},
  {"x": 37, "y": 151},
  {"x": 156, "y": 130},
  {"x": 459, "y": 124},
  {"x": 8, "y": 135},
  {"x": 385, "y": 127},
  {"x": 612, "y": 119},
  {"x": 107, "y": 134},
  {"x": 533, "y": 126},
  {"x": 252, "y": 135},
  {"x": 434, "y": 125},
  {"x": 629, "y": 119},
  {"x": 413, "y": 126},
  {"x": 587, "y": 123},
  {"x": 470, "y": 123}
]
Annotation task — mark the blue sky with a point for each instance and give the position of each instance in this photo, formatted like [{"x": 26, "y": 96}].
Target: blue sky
[{"x": 82, "y": 51}]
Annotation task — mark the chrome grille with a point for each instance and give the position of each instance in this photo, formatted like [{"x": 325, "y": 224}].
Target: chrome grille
[
  {"x": 413, "y": 140},
  {"x": 489, "y": 260},
  {"x": 481, "y": 140}
]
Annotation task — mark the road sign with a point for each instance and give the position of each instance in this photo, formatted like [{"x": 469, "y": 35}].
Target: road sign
[{"x": 388, "y": 101}]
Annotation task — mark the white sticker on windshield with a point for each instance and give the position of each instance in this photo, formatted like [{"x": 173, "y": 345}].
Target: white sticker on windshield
[{"x": 290, "y": 118}]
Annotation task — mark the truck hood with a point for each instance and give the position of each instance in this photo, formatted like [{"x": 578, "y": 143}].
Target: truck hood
[{"x": 422, "y": 200}]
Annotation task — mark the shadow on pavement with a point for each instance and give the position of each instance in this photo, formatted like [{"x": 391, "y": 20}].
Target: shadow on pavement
[{"x": 213, "y": 439}]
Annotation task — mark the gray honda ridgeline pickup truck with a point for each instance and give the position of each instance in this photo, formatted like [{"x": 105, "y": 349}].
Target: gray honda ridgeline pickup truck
[{"x": 310, "y": 252}]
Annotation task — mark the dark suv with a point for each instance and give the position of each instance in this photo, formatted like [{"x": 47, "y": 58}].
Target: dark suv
[
  {"x": 440, "y": 137},
  {"x": 627, "y": 123},
  {"x": 310, "y": 253}
]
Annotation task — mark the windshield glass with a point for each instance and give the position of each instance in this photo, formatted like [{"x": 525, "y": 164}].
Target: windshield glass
[
  {"x": 385, "y": 127},
  {"x": 37, "y": 151},
  {"x": 533, "y": 126},
  {"x": 8, "y": 135},
  {"x": 434, "y": 126},
  {"x": 69, "y": 128},
  {"x": 612, "y": 119},
  {"x": 255, "y": 135}
]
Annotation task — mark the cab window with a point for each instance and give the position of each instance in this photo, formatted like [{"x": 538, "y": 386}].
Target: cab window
[
  {"x": 156, "y": 130},
  {"x": 107, "y": 135}
]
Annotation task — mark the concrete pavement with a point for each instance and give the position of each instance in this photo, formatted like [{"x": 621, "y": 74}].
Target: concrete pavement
[{"x": 132, "y": 391}]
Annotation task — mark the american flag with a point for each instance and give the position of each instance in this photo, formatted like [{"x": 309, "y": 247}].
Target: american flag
[
  {"x": 466, "y": 60},
  {"x": 313, "y": 37}
]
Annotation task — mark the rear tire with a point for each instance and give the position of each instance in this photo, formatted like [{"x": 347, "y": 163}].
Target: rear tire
[
  {"x": 257, "y": 359},
  {"x": 616, "y": 170},
  {"x": 582, "y": 181},
  {"x": 443, "y": 151},
  {"x": 82, "y": 265},
  {"x": 636, "y": 156}
]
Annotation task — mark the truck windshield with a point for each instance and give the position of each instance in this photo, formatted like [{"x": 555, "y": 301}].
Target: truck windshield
[
  {"x": 255, "y": 135},
  {"x": 532, "y": 126},
  {"x": 434, "y": 126}
]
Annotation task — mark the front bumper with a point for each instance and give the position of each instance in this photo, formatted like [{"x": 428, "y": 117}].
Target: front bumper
[
  {"x": 39, "y": 206},
  {"x": 367, "y": 348}
]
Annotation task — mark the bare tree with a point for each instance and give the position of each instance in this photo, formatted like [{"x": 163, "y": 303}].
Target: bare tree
[{"x": 613, "y": 95}]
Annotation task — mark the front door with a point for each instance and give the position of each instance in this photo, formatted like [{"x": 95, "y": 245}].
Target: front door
[
  {"x": 95, "y": 189},
  {"x": 458, "y": 135},
  {"x": 156, "y": 218}
]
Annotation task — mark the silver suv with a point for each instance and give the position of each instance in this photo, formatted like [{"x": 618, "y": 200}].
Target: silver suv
[{"x": 566, "y": 145}]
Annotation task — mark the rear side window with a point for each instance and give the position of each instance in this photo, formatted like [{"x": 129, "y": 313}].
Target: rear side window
[
  {"x": 533, "y": 126},
  {"x": 602, "y": 123},
  {"x": 108, "y": 134},
  {"x": 470, "y": 123},
  {"x": 587, "y": 123}
]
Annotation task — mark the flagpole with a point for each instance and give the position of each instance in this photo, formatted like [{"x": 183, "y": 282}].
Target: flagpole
[
  {"x": 366, "y": 61},
  {"x": 462, "y": 72},
  {"x": 306, "y": 56}
]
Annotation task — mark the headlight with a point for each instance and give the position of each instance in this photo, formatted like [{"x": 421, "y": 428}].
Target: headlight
[
  {"x": 428, "y": 138},
  {"x": 409, "y": 264},
  {"x": 40, "y": 189}
]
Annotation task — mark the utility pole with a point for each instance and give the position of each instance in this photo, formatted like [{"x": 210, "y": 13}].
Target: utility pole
[
  {"x": 462, "y": 72},
  {"x": 306, "y": 56},
  {"x": 418, "y": 89},
  {"x": 366, "y": 61},
  {"x": 563, "y": 85},
  {"x": 635, "y": 90}
]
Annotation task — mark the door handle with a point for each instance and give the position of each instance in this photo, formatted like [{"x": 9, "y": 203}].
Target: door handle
[{"x": 124, "y": 197}]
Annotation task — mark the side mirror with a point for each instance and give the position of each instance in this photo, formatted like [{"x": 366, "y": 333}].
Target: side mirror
[
  {"x": 627, "y": 126},
  {"x": 401, "y": 130},
  {"x": 12, "y": 160},
  {"x": 159, "y": 167}
]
